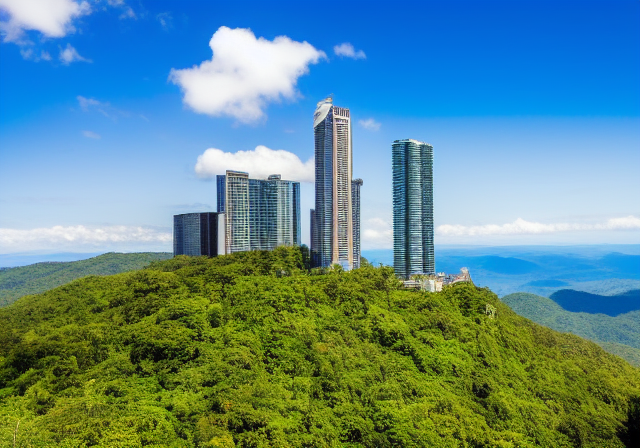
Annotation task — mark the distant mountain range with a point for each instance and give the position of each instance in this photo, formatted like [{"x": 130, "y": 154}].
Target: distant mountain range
[
  {"x": 618, "y": 334},
  {"x": 604, "y": 270},
  {"x": 39, "y": 277}
]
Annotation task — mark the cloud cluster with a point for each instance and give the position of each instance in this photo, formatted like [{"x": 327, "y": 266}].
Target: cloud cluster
[
  {"x": 77, "y": 237},
  {"x": 52, "y": 18},
  {"x": 377, "y": 233},
  {"x": 259, "y": 163},
  {"x": 346, "y": 50},
  {"x": 70, "y": 54},
  {"x": 522, "y": 227},
  {"x": 370, "y": 124},
  {"x": 244, "y": 74}
]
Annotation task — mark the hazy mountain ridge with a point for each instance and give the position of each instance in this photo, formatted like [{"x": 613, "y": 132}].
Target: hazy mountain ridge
[
  {"x": 249, "y": 350},
  {"x": 604, "y": 270},
  {"x": 601, "y": 328},
  {"x": 40, "y": 277}
]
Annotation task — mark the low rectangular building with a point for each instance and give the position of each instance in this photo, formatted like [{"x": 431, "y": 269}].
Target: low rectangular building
[{"x": 196, "y": 234}]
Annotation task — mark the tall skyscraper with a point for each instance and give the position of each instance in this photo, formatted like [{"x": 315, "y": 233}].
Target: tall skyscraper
[
  {"x": 413, "y": 249},
  {"x": 332, "y": 225},
  {"x": 355, "y": 207},
  {"x": 261, "y": 214},
  {"x": 197, "y": 234}
]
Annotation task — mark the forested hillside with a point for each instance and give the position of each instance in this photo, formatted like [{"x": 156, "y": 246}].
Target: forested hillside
[
  {"x": 40, "y": 277},
  {"x": 249, "y": 350},
  {"x": 619, "y": 335}
]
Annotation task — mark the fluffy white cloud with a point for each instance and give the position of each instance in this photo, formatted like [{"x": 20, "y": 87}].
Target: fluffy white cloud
[
  {"x": 53, "y": 18},
  {"x": 79, "y": 237},
  {"x": 346, "y": 50},
  {"x": 70, "y": 54},
  {"x": 377, "y": 233},
  {"x": 91, "y": 134},
  {"x": 522, "y": 227},
  {"x": 369, "y": 124},
  {"x": 259, "y": 163},
  {"x": 245, "y": 74}
]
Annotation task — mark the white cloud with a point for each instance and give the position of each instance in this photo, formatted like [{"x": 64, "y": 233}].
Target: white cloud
[
  {"x": 259, "y": 163},
  {"x": 522, "y": 227},
  {"x": 346, "y": 50},
  {"x": 370, "y": 124},
  {"x": 128, "y": 13},
  {"x": 91, "y": 134},
  {"x": 245, "y": 74},
  {"x": 79, "y": 237},
  {"x": 52, "y": 18},
  {"x": 70, "y": 54},
  {"x": 377, "y": 233},
  {"x": 103, "y": 107},
  {"x": 165, "y": 19}
]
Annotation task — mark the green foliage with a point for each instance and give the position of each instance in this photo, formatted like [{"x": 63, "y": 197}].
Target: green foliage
[
  {"x": 250, "y": 350},
  {"x": 40, "y": 277},
  {"x": 619, "y": 335}
]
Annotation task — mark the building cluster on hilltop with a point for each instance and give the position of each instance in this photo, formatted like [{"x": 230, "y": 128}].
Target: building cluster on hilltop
[{"x": 257, "y": 214}]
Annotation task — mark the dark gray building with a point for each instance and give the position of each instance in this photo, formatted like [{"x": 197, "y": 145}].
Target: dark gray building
[{"x": 198, "y": 234}]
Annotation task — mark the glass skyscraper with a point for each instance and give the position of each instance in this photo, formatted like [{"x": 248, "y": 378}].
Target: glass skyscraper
[
  {"x": 261, "y": 214},
  {"x": 355, "y": 207},
  {"x": 413, "y": 248},
  {"x": 332, "y": 229},
  {"x": 198, "y": 234}
]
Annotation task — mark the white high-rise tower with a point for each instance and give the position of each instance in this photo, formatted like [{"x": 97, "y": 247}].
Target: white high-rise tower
[{"x": 332, "y": 231}]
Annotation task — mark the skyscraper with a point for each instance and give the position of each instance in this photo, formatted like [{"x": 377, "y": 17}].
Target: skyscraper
[
  {"x": 261, "y": 214},
  {"x": 332, "y": 225},
  {"x": 413, "y": 249},
  {"x": 197, "y": 234},
  {"x": 233, "y": 201},
  {"x": 355, "y": 207}
]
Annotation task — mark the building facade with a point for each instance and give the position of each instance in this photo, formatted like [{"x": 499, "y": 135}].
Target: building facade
[
  {"x": 196, "y": 234},
  {"x": 332, "y": 225},
  {"x": 355, "y": 207},
  {"x": 261, "y": 214},
  {"x": 413, "y": 245}
]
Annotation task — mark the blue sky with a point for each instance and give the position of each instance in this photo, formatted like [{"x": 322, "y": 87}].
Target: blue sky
[{"x": 533, "y": 109}]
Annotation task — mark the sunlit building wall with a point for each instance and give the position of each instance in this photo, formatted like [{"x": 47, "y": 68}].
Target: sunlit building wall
[{"x": 332, "y": 229}]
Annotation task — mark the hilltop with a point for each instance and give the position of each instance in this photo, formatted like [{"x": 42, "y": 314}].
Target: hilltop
[
  {"x": 249, "y": 350},
  {"x": 40, "y": 277}
]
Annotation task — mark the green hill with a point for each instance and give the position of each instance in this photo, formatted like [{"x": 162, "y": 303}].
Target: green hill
[
  {"x": 40, "y": 277},
  {"x": 617, "y": 334},
  {"x": 249, "y": 350}
]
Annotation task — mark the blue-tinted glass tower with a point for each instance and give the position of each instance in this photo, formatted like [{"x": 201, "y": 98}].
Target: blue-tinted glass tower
[{"x": 413, "y": 248}]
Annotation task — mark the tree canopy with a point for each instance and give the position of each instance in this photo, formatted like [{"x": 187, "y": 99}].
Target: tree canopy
[{"x": 252, "y": 350}]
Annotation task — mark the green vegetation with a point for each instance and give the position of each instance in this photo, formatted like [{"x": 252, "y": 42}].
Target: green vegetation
[
  {"x": 619, "y": 335},
  {"x": 40, "y": 277},
  {"x": 250, "y": 350}
]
